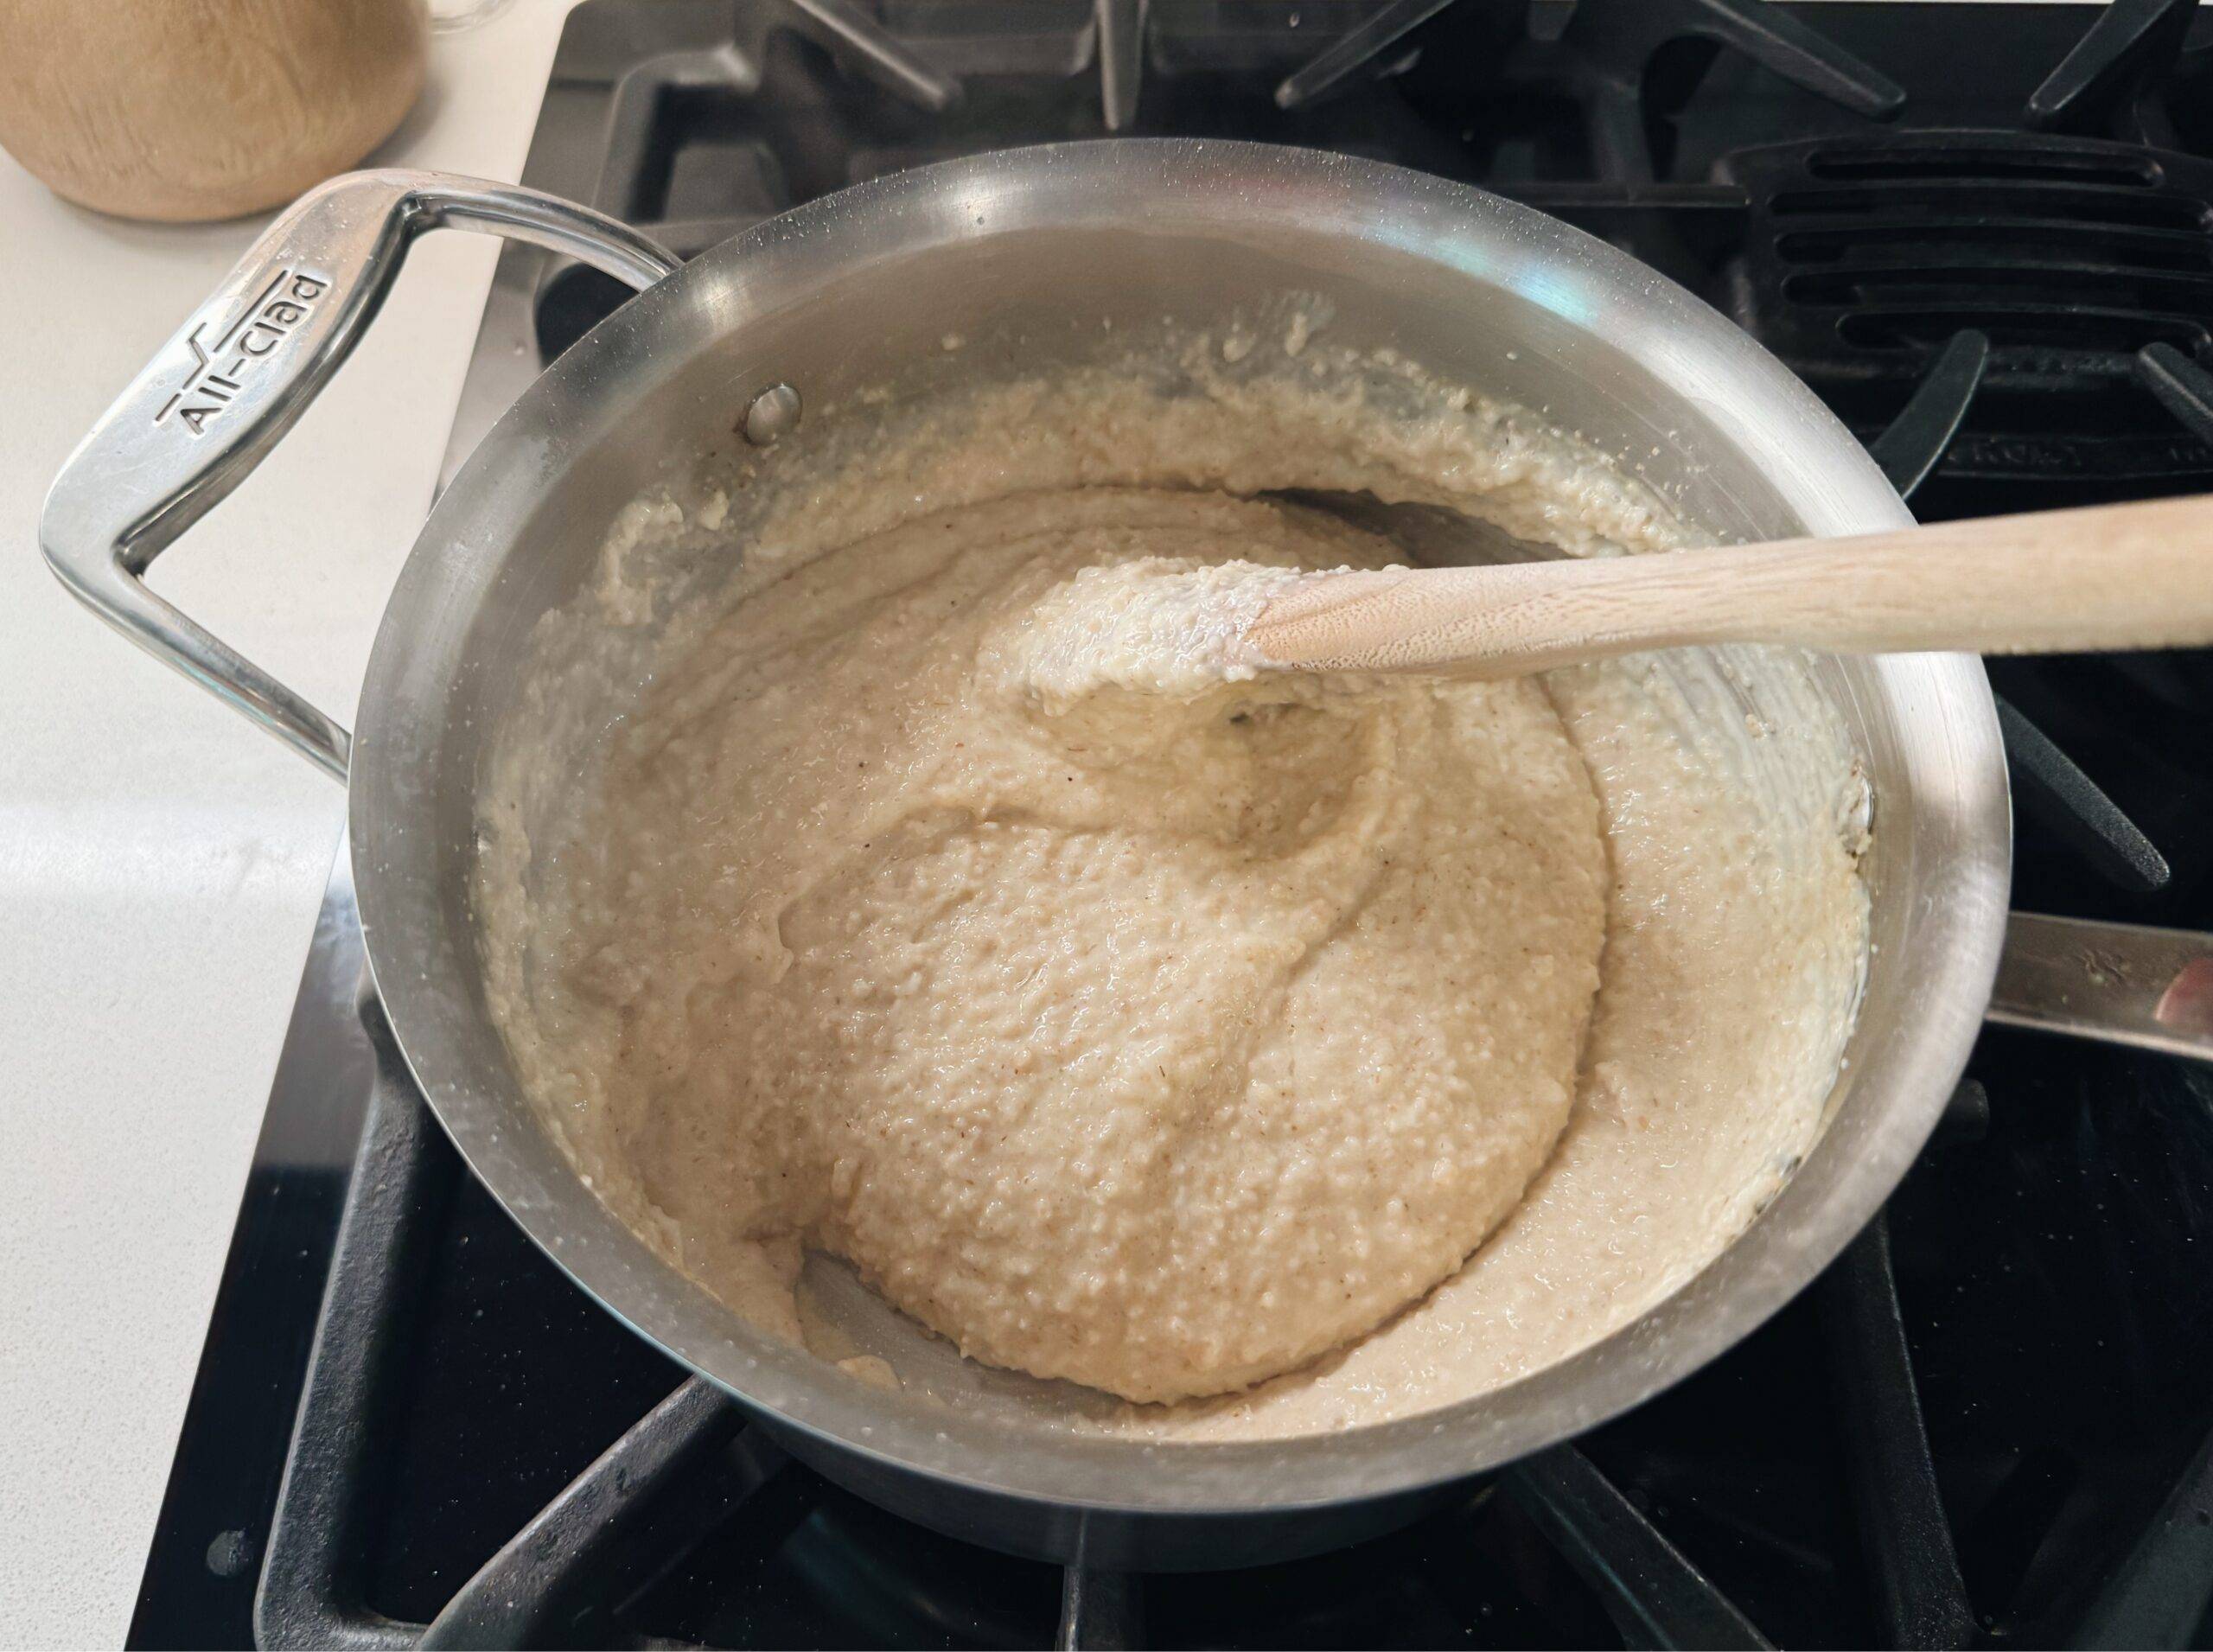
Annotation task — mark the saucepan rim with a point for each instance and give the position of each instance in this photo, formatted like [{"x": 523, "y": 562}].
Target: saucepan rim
[{"x": 1943, "y": 701}]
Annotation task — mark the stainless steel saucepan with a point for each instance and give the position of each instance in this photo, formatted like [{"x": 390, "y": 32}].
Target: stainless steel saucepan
[{"x": 833, "y": 297}]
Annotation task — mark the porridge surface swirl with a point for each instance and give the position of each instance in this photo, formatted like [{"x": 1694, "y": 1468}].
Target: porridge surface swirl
[{"x": 1155, "y": 1026}]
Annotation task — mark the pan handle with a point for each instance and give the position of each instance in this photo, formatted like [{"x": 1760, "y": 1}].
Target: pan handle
[
  {"x": 240, "y": 372},
  {"x": 2118, "y": 982}
]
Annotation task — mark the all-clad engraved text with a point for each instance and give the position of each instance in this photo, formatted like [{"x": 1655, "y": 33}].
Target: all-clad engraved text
[{"x": 217, "y": 373}]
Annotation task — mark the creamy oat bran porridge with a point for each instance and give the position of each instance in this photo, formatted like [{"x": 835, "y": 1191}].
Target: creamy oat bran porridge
[{"x": 1299, "y": 1053}]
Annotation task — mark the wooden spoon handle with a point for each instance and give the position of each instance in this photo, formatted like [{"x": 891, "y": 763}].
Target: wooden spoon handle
[{"x": 2135, "y": 576}]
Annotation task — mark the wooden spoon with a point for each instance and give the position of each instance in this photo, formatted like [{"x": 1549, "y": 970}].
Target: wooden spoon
[{"x": 2135, "y": 576}]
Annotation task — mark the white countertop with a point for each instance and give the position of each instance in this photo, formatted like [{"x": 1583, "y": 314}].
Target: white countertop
[{"x": 161, "y": 861}]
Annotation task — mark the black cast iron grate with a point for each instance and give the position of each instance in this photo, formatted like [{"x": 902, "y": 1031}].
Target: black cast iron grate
[{"x": 2071, "y": 257}]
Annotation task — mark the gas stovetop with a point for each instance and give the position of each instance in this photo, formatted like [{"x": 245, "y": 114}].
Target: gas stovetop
[{"x": 1984, "y": 233}]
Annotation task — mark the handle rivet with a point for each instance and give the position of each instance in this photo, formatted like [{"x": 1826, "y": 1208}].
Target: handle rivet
[{"x": 773, "y": 414}]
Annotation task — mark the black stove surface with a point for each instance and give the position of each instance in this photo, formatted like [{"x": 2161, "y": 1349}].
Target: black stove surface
[{"x": 1987, "y": 240}]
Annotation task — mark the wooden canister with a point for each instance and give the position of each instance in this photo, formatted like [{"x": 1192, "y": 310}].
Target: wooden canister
[{"x": 183, "y": 110}]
